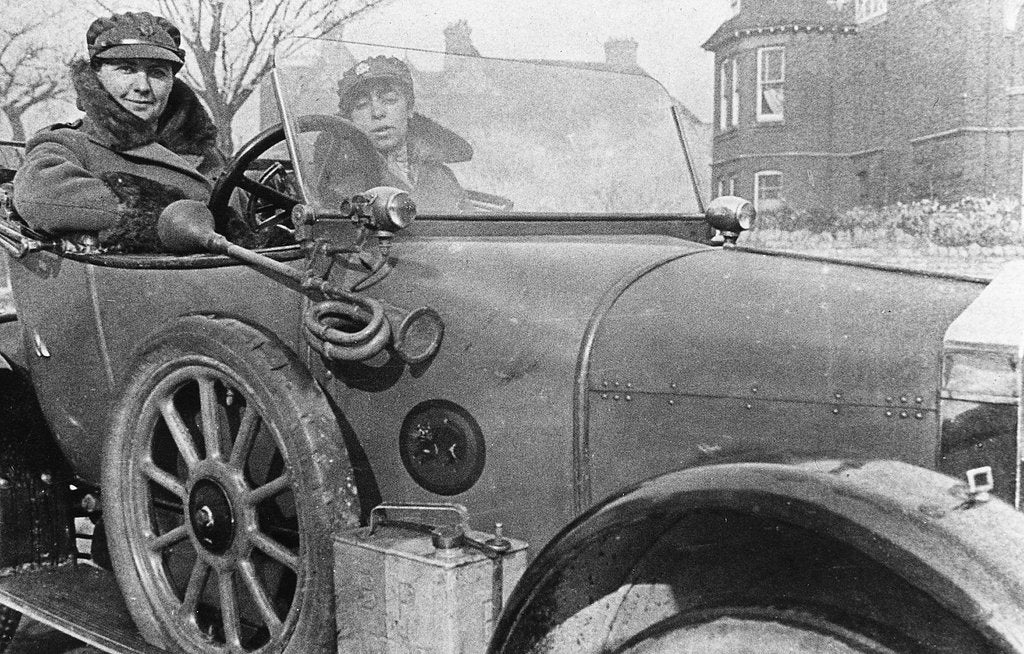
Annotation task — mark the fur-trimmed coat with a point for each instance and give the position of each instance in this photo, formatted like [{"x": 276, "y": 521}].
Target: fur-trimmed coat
[{"x": 111, "y": 174}]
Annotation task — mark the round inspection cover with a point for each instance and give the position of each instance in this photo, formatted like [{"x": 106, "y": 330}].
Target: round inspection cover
[{"x": 442, "y": 447}]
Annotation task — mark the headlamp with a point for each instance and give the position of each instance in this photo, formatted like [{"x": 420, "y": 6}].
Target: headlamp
[{"x": 382, "y": 209}]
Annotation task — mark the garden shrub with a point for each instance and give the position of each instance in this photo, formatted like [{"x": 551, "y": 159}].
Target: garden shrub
[
  {"x": 776, "y": 214},
  {"x": 986, "y": 222},
  {"x": 818, "y": 220},
  {"x": 983, "y": 221},
  {"x": 861, "y": 222}
]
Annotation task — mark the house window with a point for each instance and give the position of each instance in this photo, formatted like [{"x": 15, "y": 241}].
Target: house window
[
  {"x": 868, "y": 9},
  {"x": 723, "y": 94},
  {"x": 863, "y": 189},
  {"x": 729, "y": 95},
  {"x": 726, "y": 185},
  {"x": 735, "y": 93},
  {"x": 767, "y": 188},
  {"x": 771, "y": 74}
]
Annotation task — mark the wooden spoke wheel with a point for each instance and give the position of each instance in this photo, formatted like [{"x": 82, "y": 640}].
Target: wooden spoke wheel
[{"x": 224, "y": 482}]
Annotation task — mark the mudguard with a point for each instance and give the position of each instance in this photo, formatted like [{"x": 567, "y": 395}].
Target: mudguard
[{"x": 920, "y": 526}]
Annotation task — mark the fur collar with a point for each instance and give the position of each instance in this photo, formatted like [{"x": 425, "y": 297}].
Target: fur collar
[
  {"x": 432, "y": 142},
  {"x": 184, "y": 128}
]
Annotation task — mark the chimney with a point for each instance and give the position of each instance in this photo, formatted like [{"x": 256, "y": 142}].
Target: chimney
[
  {"x": 620, "y": 53},
  {"x": 458, "y": 39}
]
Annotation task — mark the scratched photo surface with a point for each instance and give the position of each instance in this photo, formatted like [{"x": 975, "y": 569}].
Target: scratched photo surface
[{"x": 871, "y": 311}]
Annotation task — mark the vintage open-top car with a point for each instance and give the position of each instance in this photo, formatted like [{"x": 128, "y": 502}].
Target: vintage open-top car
[{"x": 707, "y": 448}]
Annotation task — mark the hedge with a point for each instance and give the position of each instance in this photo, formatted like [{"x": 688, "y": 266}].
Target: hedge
[{"x": 986, "y": 222}]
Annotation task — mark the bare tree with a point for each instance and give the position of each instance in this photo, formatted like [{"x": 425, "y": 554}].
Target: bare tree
[
  {"x": 233, "y": 43},
  {"x": 31, "y": 72}
]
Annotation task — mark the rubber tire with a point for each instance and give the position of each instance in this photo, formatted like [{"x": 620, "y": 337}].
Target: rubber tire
[
  {"x": 808, "y": 580},
  {"x": 673, "y": 583},
  {"x": 735, "y": 631},
  {"x": 320, "y": 476}
]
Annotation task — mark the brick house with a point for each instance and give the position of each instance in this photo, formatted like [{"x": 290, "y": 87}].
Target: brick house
[{"x": 828, "y": 104}]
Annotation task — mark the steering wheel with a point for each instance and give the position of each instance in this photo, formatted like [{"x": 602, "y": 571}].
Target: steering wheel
[{"x": 341, "y": 152}]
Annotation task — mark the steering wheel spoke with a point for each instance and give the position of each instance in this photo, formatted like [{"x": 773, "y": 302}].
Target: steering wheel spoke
[
  {"x": 263, "y": 191},
  {"x": 269, "y": 185}
]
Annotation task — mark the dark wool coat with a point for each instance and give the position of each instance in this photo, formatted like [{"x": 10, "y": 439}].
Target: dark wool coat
[
  {"x": 340, "y": 173},
  {"x": 111, "y": 174}
]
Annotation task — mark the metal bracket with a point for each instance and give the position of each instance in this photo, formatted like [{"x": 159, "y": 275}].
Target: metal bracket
[
  {"x": 980, "y": 484},
  {"x": 379, "y": 515},
  {"x": 16, "y": 243},
  {"x": 443, "y": 536}
]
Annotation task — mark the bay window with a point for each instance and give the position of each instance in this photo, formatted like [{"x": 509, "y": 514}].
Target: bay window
[{"x": 771, "y": 77}]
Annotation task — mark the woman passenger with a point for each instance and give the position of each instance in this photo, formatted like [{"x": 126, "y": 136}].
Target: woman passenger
[{"x": 145, "y": 141}]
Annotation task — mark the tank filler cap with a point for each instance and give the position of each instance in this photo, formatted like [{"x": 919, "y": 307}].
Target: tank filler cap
[{"x": 448, "y": 537}]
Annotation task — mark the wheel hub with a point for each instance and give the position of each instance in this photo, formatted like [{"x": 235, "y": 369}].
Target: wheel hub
[{"x": 212, "y": 517}]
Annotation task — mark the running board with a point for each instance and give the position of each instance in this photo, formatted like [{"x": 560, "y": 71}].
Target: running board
[{"x": 80, "y": 600}]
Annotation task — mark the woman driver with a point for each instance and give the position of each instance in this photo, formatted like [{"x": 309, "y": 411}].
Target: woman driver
[{"x": 377, "y": 96}]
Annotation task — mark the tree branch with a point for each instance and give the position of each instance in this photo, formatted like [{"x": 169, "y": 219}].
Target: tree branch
[{"x": 32, "y": 69}]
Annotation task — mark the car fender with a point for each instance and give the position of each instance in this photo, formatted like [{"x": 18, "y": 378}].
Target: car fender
[
  {"x": 922, "y": 526},
  {"x": 733, "y": 350}
]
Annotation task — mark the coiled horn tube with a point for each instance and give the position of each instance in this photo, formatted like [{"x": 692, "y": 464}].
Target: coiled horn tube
[
  {"x": 367, "y": 328},
  {"x": 345, "y": 326}
]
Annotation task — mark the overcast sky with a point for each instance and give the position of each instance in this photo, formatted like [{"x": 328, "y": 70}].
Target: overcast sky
[{"x": 669, "y": 33}]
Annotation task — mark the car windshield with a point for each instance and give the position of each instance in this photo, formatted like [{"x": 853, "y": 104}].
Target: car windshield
[{"x": 468, "y": 134}]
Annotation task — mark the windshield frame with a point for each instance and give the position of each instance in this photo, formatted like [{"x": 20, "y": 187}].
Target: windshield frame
[{"x": 684, "y": 188}]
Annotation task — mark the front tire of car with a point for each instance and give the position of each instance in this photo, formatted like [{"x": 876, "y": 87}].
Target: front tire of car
[
  {"x": 721, "y": 582},
  {"x": 224, "y": 480}
]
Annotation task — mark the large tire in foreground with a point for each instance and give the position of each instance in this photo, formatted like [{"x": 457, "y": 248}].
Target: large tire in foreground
[
  {"x": 224, "y": 479},
  {"x": 767, "y": 587},
  {"x": 727, "y": 583},
  {"x": 812, "y": 556}
]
